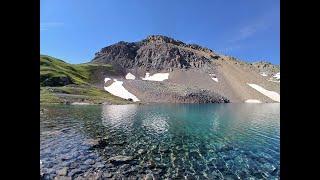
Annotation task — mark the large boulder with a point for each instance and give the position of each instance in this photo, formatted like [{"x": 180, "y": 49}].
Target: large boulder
[{"x": 53, "y": 81}]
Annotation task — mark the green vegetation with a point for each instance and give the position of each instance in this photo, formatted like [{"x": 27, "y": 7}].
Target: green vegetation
[
  {"x": 61, "y": 82},
  {"x": 52, "y": 69},
  {"x": 71, "y": 94}
]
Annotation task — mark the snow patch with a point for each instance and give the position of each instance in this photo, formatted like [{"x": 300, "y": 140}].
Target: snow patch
[
  {"x": 271, "y": 94},
  {"x": 80, "y": 103},
  {"x": 213, "y": 77},
  {"x": 277, "y": 76},
  {"x": 253, "y": 101},
  {"x": 130, "y": 76},
  {"x": 156, "y": 77},
  {"x": 106, "y": 80},
  {"x": 117, "y": 89},
  {"x": 264, "y": 74},
  {"x": 274, "y": 81}
]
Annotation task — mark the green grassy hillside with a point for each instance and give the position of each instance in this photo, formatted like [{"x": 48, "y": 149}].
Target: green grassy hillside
[
  {"x": 61, "y": 82},
  {"x": 53, "y": 70}
]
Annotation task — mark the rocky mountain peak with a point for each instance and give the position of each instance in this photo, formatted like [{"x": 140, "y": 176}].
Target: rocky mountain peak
[
  {"x": 161, "y": 39},
  {"x": 156, "y": 52}
]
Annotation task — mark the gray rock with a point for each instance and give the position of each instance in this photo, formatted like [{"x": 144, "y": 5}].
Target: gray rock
[
  {"x": 120, "y": 159},
  {"x": 93, "y": 175},
  {"x": 91, "y": 142},
  {"x": 148, "y": 177},
  {"x": 141, "y": 151},
  {"x": 98, "y": 165},
  {"x": 62, "y": 178},
  {"x": 164, "y": 150},
  {"x": 62, "y": 172},
  {"x": 74, "y": 172},
  {"x": 89, "y": 162},
  {"x": 107, "y": 175},
  {"x": 151, "y": 164}
]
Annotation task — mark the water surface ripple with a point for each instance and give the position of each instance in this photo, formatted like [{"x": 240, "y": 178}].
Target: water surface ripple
[{"x": 173, "y": 141}]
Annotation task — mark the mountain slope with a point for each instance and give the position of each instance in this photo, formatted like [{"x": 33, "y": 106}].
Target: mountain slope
[
  {"x": 61, "y": 82},
  {"x": 161, "y": 69},
  {"x": 191, "y": 66}
]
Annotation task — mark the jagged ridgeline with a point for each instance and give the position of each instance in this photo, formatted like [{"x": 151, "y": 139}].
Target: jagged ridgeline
[{"x": 162, "y": 69}]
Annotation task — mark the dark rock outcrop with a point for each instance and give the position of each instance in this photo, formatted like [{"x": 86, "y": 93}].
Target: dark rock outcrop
[
  {"x": 263, "y": 66},
  {"x": 54, "y": 81},
  {"x": 156, "y": 52},
  {"x": 202, "y": 96}
]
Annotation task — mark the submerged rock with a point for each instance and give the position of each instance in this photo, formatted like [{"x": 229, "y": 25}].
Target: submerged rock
[
  {"x": 62, "y": 178},
  {"x": 91, "y": 142},
  {"x": 119, "y": 143},
  {"x": 74, "y": 172},
  {"x": 107, "y": 175},
  {"x": 164, "y": 150},
  {"x": 62, "y": 172},
  {"x": 89, "y": 162},
  {"x": 120, "y": 159},
  {"x": 148, "y": 177},
  {"x": 93, "y": 175},
  {"x": 151, "y": 164},
  {"x": 141, "y": 151}
]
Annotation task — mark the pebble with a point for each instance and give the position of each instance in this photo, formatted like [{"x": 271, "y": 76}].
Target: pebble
[
  {"x": 91, "y": 142},
  {"x": 141, "y": 151},
  {"x": 62, "y": 178},
  {"x": 98, "y": 165},
  {"x": 120, "y": 159},
  {"x": 151, "y": 164},
  {"x": 107, "y": 175},
  {"x": 62, "y": 172},
  {"x": 74, "y": 172},
  {"x": 149, "y": 177},
  {"x": 89, "y": 162}
]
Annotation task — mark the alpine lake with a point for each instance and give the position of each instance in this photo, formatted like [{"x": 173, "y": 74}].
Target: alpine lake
[{"x": 160, "y": 141}]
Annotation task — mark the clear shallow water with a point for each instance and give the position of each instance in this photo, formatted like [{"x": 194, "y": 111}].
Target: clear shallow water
[{"x": 181, "y": 141}]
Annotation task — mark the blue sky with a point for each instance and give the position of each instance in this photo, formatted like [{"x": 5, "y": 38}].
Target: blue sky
[{"x": 73, "y": 30}]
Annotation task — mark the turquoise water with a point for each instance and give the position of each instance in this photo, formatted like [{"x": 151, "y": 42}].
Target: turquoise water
[{"x": 181, "y": 141}]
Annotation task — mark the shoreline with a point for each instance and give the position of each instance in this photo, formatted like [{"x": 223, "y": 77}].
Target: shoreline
[{"x": 146, "y": 103}]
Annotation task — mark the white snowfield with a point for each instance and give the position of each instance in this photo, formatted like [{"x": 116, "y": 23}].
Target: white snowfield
[
  {"x": 264, "y": 74},
  {"x": 117, "y": 89},
  {"x": 253, "y": 101},
  {"x": 130, "y": 76},
  {"x": 156, "y": 77},
  {"x": 213, "y": 77},
  {"x": 277, "y": 76},
  {"x": 271, "y": 94},
  {"x": 106, "y": 80}
]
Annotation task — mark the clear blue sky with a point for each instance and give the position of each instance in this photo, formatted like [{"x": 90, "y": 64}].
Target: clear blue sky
[{"x": 73, "y": 30}]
